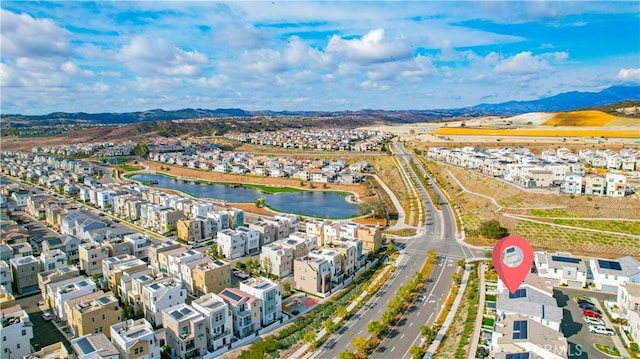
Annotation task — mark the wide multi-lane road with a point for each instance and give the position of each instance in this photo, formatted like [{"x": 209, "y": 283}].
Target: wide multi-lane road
[{"x": 439, "y": 233}]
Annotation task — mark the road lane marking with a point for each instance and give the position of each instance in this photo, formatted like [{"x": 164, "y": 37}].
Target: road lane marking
[
  {"x": 393, "y": 348},
  {"x": 402, "y": 336}
]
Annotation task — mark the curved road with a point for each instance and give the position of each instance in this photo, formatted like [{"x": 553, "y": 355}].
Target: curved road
[{"x": 440, "y": 234}]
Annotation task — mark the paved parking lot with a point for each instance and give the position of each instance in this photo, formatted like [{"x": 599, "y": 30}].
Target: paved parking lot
[{"x": 574, "y": 328}]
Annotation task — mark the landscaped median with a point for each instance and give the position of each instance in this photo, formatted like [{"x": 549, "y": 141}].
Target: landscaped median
[{"x": 312, "y": 329}]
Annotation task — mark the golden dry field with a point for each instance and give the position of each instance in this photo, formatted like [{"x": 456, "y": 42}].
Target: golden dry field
[
  {"x": 580, "y": 118},
  {"x": 539, "y": 132}
]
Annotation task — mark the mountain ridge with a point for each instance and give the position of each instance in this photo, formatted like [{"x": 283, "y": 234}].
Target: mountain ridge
[{"x": 566, "y": 101}]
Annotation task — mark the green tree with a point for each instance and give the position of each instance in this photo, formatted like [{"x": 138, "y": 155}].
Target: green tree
[
  {"x": 492, "y": 229},
  {"x": 432, "y": 255},
  {"x": 375, "y": 328},
  {"x": 346, "y": 355},
  {"x": 388, "y": 317},
  {"x": 286, "y": 287},
  {"x": 330, "y": 326},
  {"x": 416, "y": 352},
  {"x": 341, "y": 312},
  {"x": 391, "y": 247},
  {"x": 310, "y": 338},
  {"x": 360, "y": 344}
]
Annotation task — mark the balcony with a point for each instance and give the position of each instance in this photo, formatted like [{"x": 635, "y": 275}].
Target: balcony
[{"x": 221, "y": 334}]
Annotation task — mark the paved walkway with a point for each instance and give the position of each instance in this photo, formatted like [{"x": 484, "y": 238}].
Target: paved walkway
[
  {"x": 477, "y": 329},
  {"x": 447, "y": 322},
  {"x": 401, "y": 215}
]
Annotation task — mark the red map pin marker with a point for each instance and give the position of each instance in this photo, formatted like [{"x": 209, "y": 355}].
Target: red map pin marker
[{"x": 512, "y": 259}]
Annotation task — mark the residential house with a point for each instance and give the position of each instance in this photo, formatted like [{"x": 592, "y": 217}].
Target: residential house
[
  {"x": 594, "y": 185},
  {"x": 24, "y": 274},
  {"x": 279, "y": 258},
  {"x": 572, "y": 184},
  {"x": 616, "y": 185},
  {"x": 533, "y": 299},
  {"x": 219, "y": 321},
  {"x": 245, "y": 311},
  {"x": 135, "y": 339},
  {"x": 186, "y": 331},
  {"x": 95, "y": 315},
  {"x": 561, "y": 269},
  {"x": 312, "y": 275},
  {"x": 628, "y": 298},
  {"x": 516, "y": 333},
  {"x": 209, "y": 275},
  {"x": 270, "y": 296},
  {"x": 609, "y": 274},
  {"x": 371, "y": 237},
  {"x": 52, "y": 259},
  {"x": 16, "y": 331},
  {"x": 231, "y": 243},
  {"x": 159, "y": 296},
  {"x": 189, "y": 230},
  {"x": 53, "y": 351},
  {"x": 68, "y": 289},
  {"x": 94, "y": 346},
  {"x": 91, "y": 256},
  {"x": 55, "y": 276}
]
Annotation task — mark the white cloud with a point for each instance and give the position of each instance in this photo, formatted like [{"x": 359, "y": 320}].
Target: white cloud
[
  {"x": 244, "y": 36},
  {"x": 70, "y": 68},
  {"x": 522, "y": 64},
  {"x": 25, "y": 36},
  {"x": 143, "y": 54},
  {"x": 371, "y": 48},
  {"x": 629, "y": 75}
]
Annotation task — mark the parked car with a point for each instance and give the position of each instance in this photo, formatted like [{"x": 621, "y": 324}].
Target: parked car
[
  {"x": 599, "y": 329},
  {"x": 586, "y": 306},
  {"x": 47, "y": 316},
  {"x": 581, "y": 297},
  {"x": 593, "y": 321},
  {"x": 420, "y": 298},
  {"x": 591, "y": 313},
  {"x": 584, "y": 301}
]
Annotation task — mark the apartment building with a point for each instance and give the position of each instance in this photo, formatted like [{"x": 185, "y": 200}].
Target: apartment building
[
  {"x": 94, "y": 346},
  {"x": 312, "y": 275},
  {"x": 219, "y": 321},
  {"x": 95, "y": 315},
  {"x": 245, "y": 311},
  {"x": 91, "y": 256},
  {"x": 270, "y": 296},
  {"x": 160, "y": 295},
  {"x": 186, "y": 331},
  {"x": 24, "y": 274},
  {"x": 135, "y": 339},
  {"x": 16, "y": 331}
]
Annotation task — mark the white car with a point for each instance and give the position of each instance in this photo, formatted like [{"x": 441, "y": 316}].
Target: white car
[
  {"x": 47, "y": 316},
  {"x": 593, "y": 321},
  {"x": 599, "y": 329}
]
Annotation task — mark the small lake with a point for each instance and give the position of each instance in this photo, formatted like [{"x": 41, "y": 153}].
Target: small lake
[{"x": 308, "y": 203}]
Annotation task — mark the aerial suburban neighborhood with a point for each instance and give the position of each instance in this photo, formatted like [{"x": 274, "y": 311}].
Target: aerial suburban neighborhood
[{"x": 319, "y": 180}]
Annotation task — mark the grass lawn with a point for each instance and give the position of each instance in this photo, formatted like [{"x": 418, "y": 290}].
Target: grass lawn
[
  {"x": 272, "y": 189},
  {"x": 608, "y": 349},
  {"x": 127, "y": 168},
  {"x": 405, "y": 232}
]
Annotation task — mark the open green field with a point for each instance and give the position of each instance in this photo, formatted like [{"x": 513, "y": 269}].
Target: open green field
[
  {"x": 128, "y": 168},
  {"x": 272, "y": 189}
]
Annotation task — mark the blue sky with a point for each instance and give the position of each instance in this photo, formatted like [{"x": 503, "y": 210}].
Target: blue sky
[{"x": 285, "y": 55}]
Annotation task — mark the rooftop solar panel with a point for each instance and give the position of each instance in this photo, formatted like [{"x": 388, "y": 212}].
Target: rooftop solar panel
[
  {"x": 176, "y": 314},
  {"x": 517, "y": 356},
  {"x": 104, "y": 300},
  {"x": 604, "y": 264},
  {"x": 520, "y": 329},
  {"x": 565, "y": 259},
  {"x": 231, "y": 295},
  {"x": 520, "y": 293},
  {"x": 85, "y": 346}
]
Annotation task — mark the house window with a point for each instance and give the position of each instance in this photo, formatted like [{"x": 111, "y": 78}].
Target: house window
[{"x": 24, "y": 332}]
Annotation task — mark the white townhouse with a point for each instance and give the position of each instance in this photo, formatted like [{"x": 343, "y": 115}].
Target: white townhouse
[
  {"x": 533, "y": 299},
  {"x": 270, "y": 296},
  {"x": 561, "y": 269},
  {"x": 616, "y": 185},
  {"x": 219, "y": 321},
  {"x": 72, "y": 288},
  {"x": 135, "y": 339},
  {"x": 176, "y": 259},
  {"x": 572, "y": 184},
  {"x": 252, "y": 240},
  {"x": 628, "y": 298},
  {"x": 161, "y": 295},
  {"x": 609, "y": 274},
  {"x": 232, "y": 243},
  {"x": 16, "y": 331}
]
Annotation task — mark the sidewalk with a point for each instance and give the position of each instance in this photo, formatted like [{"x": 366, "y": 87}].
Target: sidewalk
[
  {"x": 609, "y": 324},
  {"x": 447, "y": 322},
  {"x": 477, "y": 329}
]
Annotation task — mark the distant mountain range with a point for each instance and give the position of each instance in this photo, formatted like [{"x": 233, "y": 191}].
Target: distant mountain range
[{"x": 562, "y": 102}]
